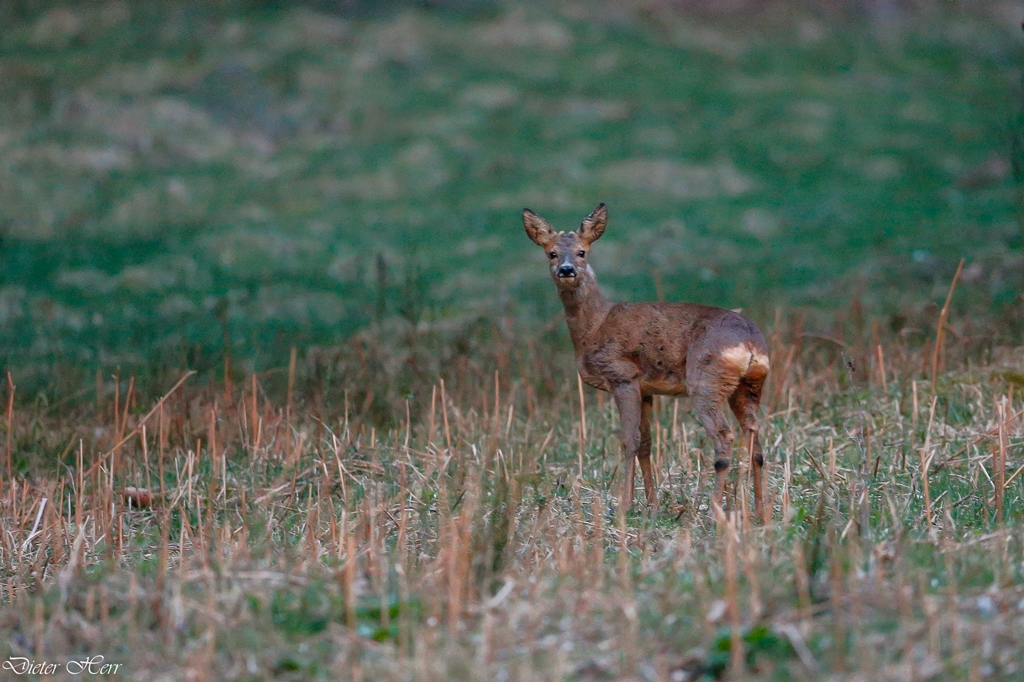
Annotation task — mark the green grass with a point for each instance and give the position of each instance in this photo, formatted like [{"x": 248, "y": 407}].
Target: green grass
[{"x": 172, "y": 171}]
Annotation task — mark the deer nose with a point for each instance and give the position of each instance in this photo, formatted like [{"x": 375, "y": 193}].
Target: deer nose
[{"x": 567, "y": 271}]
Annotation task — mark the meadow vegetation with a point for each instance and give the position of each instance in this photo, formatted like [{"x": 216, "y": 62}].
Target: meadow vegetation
[
  {"x": 228, "y": 533},
  {"x": 289, "y": 394}
]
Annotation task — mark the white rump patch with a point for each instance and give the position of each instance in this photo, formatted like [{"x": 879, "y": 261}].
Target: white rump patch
[
  {"x": 743, "y": 358},
  {"x": 737, "y": 356}
]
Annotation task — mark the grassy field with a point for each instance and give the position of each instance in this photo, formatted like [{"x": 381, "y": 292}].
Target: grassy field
[
  {"x": 481, "y": 540},
  {"x": 289, "y": 395}
]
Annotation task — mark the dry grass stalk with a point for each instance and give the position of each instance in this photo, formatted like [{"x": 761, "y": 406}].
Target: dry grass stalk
[
  {"x": 433, "y": 410},
  {"x": 1000, "y": 464},
  {"x": 938, "y": 352},
  {"x": 913, "y": 414},
  {"x": 583, "y": 409},
  {"x": 880, "y": 357},
  {"x": 288, "y": 401},
  {"x": 497, "y": 405},
  {"x": 115, "y": 451},
  {"x": 444, "y": 415},
  {"x": 737, "y": 655},
  {"x": 9, "y": 413},
  {"x": 926, "y": 459},
  {"x": 254, "y": 420}
]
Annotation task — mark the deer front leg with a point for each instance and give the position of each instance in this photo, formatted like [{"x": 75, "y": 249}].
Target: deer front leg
[
  {"x": 628, "y": 400},
  {"x": 644, "y": 453}
]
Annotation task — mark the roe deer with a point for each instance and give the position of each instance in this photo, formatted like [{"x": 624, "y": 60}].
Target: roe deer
[{"x": 638, "y": 350}]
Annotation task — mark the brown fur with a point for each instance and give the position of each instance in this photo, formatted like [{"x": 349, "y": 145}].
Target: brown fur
[{"x": 638, "y": 350}]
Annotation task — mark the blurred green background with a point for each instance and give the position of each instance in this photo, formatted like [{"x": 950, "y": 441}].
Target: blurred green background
[{"x": 180, "y": 177}]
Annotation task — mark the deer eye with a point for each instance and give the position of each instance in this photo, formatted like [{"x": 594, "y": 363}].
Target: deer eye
[
  {"x": 552, "y": 255},
  {"x": 582, "y": 254}
]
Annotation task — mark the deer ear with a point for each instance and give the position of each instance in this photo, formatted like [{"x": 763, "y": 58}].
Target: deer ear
[
  {"x": 537, "y": 229},
  {"x": 593, "y": 225}
]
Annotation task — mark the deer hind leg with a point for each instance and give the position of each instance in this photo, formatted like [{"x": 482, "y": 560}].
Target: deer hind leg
[
  {"x": 628, "y": 400},
  {"x": 644, "y": 451},
  {"x": 744, "y": 402},
  {"x": 712, "y": 417},
  {"x": 709, "y": 402}
]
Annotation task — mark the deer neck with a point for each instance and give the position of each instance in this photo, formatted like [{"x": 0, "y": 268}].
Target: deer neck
[{"x": 585, "y": 309}]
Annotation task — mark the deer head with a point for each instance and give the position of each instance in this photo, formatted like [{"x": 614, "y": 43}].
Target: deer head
[{"x": 567, "y": 252}]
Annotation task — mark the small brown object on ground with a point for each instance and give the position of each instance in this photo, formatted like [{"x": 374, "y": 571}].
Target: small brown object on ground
[{"x": 137, "y": 498}]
